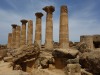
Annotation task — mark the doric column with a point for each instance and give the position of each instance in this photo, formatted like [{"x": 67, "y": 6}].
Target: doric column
[
  {"x": 18, "y": 31},
  {"x": 14, "y": 35},
  {"x": 49, "y": 26},
  {"x": 30, "y": 32},
  {"x": 23, "y": 32},
  {"x": 38, "y": 28},
  {"x": 64, "y": 33},
  {"x": 9, "y": 40}
]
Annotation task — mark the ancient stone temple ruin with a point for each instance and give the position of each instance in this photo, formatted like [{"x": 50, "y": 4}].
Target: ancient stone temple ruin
[
  {"x": 19, "y": 37},
  {"x": 29, "y": 57}
]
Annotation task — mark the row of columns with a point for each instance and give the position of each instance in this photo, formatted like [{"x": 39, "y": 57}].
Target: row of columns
[{"x": 18, "y": 34}]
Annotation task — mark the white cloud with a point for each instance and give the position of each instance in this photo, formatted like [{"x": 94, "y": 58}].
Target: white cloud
[{"x": 83, "y": 22}]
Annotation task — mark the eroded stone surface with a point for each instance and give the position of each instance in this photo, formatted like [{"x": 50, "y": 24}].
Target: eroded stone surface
[
  {"x": 38, "y": 31},
  {"x": 18, "y": 33},
  {"x": 9, "y": 40},
  {"x": 23, "y": 32},
  {"x": 49, "y": 26},
  {"x": 90, "y": 61},
  {"x": 64, "y": 33},
  {"x": 14, "y": 35},
  {"x": 30, "y": 33}
]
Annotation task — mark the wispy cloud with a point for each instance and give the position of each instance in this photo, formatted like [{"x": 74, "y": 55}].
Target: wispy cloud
[
  {"x": 83, "y": 22},
  {"x": 12, "y": 4}
]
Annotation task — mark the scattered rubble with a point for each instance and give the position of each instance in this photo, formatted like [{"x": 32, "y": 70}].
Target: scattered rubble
[{"x": 91, "y": 61}]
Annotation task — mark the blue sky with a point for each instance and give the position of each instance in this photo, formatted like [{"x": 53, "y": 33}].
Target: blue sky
[{"x": 84, "y": 16}]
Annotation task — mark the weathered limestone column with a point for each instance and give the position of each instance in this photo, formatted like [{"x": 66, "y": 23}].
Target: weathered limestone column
[
  {"x": 88, "y": 39},
  {"x": 9, "y": 40},
  {"x": 23, "y": 32},
  {"x": 14, "y": 35},
  {"x": 49, "y": 27},
  {"x": 38, "y": 28},
  {"x": 30, "y": 32},
  {"x": 18, "y": 33},
  {"x": 64, "y": 34}
]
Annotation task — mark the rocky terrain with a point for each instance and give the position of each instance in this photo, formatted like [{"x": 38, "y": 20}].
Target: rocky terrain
[{"x": 31, "y": 60}]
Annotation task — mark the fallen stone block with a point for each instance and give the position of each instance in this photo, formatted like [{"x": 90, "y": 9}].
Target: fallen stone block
[{"x": 8, "y": 59}]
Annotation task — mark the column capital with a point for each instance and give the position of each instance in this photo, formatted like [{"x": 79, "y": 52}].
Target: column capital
[
  {"x": 14, "y": 25},
  {"x": 38, "y": 14},
  {"x": 64, "y": 9},
  {"x": 49, "y": 9},
  {"x": 23, "y": 21}
]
